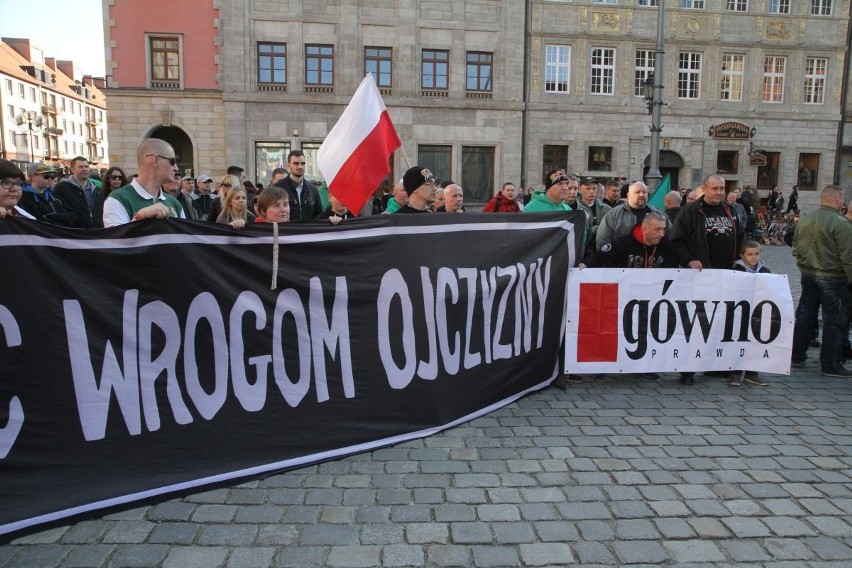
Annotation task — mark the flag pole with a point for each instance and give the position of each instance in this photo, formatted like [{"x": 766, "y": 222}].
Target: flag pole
[{"x": 405, "y": 157}]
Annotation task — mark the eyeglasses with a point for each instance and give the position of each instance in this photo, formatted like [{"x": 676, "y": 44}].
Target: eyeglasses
[
  {"x": 171, "y": 161},
  {"x": 8, "y": 183},
  {"x": 115, "y": 177}
]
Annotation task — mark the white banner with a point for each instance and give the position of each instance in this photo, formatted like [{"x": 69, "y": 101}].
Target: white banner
[{"x": 666, "y": 320}]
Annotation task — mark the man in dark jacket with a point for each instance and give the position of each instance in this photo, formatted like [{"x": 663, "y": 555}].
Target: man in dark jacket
[
  {"x": 305, "y": 203},
  {"x": 705, "y": 235},
  {"x": 705, "y": 232},
  {"x": 81, "y": 196},
  {"x": 646, "y": 246},
  {"x": 793, "y": 202},
  {"x": 37, "y": 198}
]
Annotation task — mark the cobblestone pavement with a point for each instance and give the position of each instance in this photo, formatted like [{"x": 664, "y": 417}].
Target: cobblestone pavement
[{"x": 616, "y": 471}]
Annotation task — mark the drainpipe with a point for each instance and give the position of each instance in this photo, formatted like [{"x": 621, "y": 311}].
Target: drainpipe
[
  {"x": 844, "y": 97},
  {"x": 527, "y": 46}
]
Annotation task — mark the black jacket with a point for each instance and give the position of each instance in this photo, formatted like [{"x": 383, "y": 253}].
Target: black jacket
[
  {"x": 630, "y": 251},
  {"x": 44, "y": 206},
  {"x": 689, "y": 239},
  {"x": 72, "y": 197},
  {"x": 309, "y": 206}
]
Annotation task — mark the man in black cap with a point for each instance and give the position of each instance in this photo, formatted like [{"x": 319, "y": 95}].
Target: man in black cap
[{"x": 419, "y": 184}]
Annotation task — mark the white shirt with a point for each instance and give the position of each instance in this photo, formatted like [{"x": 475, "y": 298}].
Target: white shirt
[{"x": 114, "y": 212}]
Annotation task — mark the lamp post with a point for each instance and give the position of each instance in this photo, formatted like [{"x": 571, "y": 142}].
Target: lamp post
[
  {"x": 30, "y": 123},
  {"x": 652, "y": 91}
]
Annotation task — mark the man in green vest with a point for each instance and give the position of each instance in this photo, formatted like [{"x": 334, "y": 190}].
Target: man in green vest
[{"x": 144, "y": 197}]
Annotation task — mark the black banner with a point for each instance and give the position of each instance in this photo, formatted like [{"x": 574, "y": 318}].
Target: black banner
[{"x": 155, "y": 358}]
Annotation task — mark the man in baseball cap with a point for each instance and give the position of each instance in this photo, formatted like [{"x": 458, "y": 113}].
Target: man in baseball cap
[{"x": 37, "y": 198}]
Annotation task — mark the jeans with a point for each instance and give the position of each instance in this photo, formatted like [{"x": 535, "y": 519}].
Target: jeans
[{"x": 832, "y": 293}]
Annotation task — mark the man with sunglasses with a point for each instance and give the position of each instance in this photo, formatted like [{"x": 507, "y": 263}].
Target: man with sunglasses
[
  {"x": 81, "y": 197},
  {"x": 38, "y": 199},
  {"x": 144, "y": 197}
]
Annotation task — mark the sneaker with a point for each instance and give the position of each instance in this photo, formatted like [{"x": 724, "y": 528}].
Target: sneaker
[
  {"x": 839, "y": 371},
  {"x": 734, "y": 378},
  {"x": 573, "y": 379},
  {"x": 798, "y": 364},
  {"x": 755, "y": 380},
  {"x": 688, "y": 379},
  {"x": 815, "y": 343},
  {"x": 650, "y": 376}
]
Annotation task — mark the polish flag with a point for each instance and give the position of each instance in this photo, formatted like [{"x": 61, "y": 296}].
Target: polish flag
[{"x": 353, "y": 158}]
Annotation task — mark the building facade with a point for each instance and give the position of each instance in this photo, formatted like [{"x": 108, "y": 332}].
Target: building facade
[
  {"x": 51, "y": 111},
  {"x": 486, "y": 91},
  {"x": 752, "y": 89}
]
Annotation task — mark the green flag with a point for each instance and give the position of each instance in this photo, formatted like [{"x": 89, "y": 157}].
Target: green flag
[{"x": 658, "y": 199}]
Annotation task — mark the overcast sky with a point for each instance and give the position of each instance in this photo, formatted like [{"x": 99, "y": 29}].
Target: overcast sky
[{"x": 65, "y": 29}]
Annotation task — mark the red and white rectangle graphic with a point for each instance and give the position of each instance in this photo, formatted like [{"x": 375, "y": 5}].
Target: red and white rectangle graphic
[{"x": 661, "y": 320}]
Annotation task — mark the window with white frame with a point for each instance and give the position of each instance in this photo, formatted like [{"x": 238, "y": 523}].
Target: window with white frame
[
  {"x": 779, "y": 6},
  {"x": 820, "y": 7},
  {"x": 692, "y": 4},
  {"x": 731, "y": 88},
  {"x": 815, "y": 71},
  {"x": 603, "y": 70},
  {"x": 737, "y": 5},
  {"x": 21, "y": 90},
  {"x": 644, "y": 68},
  {"x": 606, "y": 1},
  {"x": 689, "y": 75},
  {"x": 773, "y": 78},
  {"x": 9, "y": 88},
  {"x": 648, "y": 3},
  {"x": 557, "y": 68}
]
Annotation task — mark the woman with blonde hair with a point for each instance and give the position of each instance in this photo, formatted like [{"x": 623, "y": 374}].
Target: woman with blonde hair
[
  {"x": 225, "y": 184},
  {"x": 235, "y": 209}
]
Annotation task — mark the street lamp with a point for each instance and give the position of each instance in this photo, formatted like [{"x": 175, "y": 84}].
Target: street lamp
[
  {"x": 30, "y": 123},
  {"x": 652, "y": 92}
]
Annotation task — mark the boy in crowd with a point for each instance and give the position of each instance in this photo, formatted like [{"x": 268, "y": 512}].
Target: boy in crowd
[{"x": 749, "y": 261}]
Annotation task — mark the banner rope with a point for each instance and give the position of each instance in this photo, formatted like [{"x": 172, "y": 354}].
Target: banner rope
[{"x": 274, "y": 256}]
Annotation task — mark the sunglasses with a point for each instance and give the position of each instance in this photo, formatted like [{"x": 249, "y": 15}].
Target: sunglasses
[
  {"x": 224, "y": 185},
  {"x": 49, "y": 176},
  {"x": 115, "y": 177},
  {"x": 171, "y": 161}
]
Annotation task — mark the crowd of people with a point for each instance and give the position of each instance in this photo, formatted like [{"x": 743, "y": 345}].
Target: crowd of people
[{"x": 712, "y": 226}]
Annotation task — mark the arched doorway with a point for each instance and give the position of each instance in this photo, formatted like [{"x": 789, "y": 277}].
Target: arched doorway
[
  {"x": 182, "y": 145},
  {"x": 670, "y": 163}
]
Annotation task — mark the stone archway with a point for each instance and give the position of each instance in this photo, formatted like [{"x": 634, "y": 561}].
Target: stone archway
[
  {"x": 182, "y": 145},
  {"x": 670, "y": 163}
]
